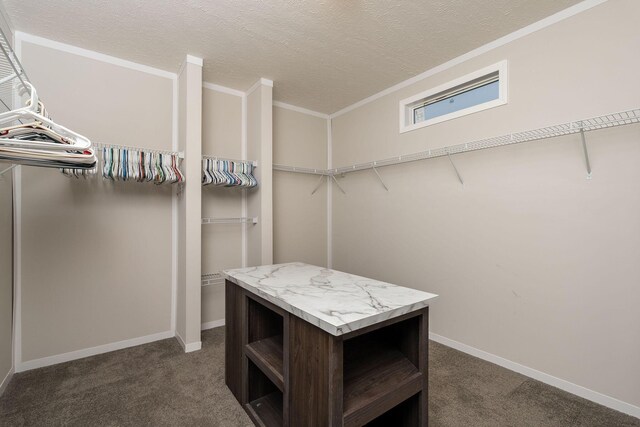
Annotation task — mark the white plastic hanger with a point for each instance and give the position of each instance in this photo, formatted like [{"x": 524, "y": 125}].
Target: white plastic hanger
[{"x": 30, "y": 114}]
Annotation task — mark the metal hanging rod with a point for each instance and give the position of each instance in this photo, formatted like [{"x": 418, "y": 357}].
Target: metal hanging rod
[
  {"x": 580, "y": 126},
  {"x": 302, "y": 170},
  {"x": 253, "y": 162},
  {"x": 241, "y": 220},
  {"x": 100, "y": 145},
  {"x": 212, "y": 279}
]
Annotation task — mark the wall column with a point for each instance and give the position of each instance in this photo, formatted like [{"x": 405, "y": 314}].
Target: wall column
[
  {"x": 188, "y": 317},
  {"x": 260, "y": 148}
]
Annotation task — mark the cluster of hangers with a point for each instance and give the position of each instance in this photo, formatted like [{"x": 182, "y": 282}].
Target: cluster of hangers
[
  {"x": 28, "y": 136},
  {"x": 132, "y": 164},
  {"x": 228, "y": 173},
  {"x": 120, "y": 163},
  {"x": 79, "y": 173}
]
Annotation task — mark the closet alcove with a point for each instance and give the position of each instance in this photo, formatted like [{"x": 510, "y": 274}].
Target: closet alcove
[{"x": 236, "y": 221}]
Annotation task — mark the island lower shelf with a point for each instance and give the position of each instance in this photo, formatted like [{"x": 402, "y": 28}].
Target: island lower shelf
[
  {"x": 267, "y": 410},
  {"x": 287, "y": 372},
  {"x": 267, "y": 355}
]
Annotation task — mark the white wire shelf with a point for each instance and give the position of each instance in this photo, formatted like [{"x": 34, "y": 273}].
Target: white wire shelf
[
  {"x": 594, "y": 123},
  {"x": 13, "y": 79},
  {"x": 253, "y": 162},
  {"x": 301, "y": 170},
  {"x": 241, "y": 220},
  {"x": 586, "y": 125},
  {"x": 100, "y": 145},
  {"x": 212, "y": 279}
]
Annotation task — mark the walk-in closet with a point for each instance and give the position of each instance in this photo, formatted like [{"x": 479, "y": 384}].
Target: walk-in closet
[{"x": 320, "y": 214}]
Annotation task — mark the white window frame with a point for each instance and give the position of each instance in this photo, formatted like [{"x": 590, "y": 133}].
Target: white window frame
[{"x": 407, "y": 105}]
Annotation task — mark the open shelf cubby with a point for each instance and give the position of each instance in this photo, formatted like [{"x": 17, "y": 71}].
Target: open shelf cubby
[
  {"x": 265, "y": 346},
  {"x": 381, "y": 370},
  {"x": 267, "y": 355},
  {"x": 265, "y": 376},
  {"x": 265, "y": 399},
  {"x": 404, "y": 414}
]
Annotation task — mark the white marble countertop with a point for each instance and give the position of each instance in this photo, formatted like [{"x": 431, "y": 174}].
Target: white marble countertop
[{"x": 334, "y": 301}]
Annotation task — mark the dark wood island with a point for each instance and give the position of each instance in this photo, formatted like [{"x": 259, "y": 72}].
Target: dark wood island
[{"x": 309, "y": 346}]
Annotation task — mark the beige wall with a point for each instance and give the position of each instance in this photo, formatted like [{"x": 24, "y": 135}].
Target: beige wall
[
  {"x": 299, "y": 217},
  {"x": 6, "y": 273},
  {"x": 532, "y": 262},
  {"x": 96, "y": 256},
  {"x": 221, "y": 243}
]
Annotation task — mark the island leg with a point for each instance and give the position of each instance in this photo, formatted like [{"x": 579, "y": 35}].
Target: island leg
[
  {"x": 234, "y": 372},
  {"x": 315, "y": 375}
]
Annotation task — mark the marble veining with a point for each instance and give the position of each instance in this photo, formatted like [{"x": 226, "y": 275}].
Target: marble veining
[{"x": 334, "y": 301}]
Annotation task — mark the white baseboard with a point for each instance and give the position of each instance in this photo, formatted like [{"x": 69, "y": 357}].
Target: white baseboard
[
  {"x": 188, "y": 348},
  {"x": 567, "y": 386},
  {"x": 5, "y": 381},
  {"x": 180, "y": 340},
  {"x": 193, "y": 346},
  {"x": 80, "y": 354},
  {"x": 212, "y": 324}
]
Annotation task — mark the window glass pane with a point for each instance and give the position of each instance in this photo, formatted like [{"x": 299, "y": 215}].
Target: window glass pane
[{"x": 475, "y": 96}]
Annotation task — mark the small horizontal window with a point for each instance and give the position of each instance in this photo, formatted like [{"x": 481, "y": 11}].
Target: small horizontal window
[{"x": 474, "y": 92}]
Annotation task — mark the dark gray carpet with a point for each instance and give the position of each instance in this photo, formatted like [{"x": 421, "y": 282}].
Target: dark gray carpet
[{"x": 158, "y": 385}]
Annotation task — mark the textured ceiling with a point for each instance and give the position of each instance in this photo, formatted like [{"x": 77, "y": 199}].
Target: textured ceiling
[{"x": 322, "y": 54}]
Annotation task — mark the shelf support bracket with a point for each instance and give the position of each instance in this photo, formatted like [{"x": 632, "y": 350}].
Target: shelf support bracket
[
  {"x": 338, "y": 185},
  {"x": 455, "y": 169},
  {"x": 319, "y": 184},
  {"x": 380, "y": 178},
  {"x": 7, "y": 169},
  {"x": 586, "y": 153}
]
